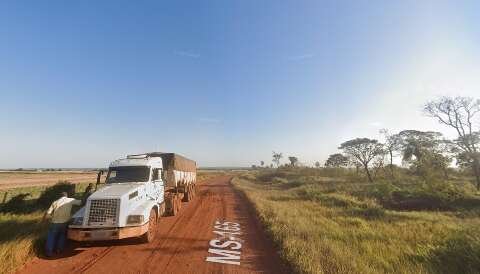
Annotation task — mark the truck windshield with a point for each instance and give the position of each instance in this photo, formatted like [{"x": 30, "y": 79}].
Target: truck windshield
[{"x": 127, "y": 174}]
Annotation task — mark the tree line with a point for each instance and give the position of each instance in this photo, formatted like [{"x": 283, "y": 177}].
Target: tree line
[{"x": 428, "y": 153}]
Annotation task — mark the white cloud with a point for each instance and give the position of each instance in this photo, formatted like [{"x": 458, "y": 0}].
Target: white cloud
[
  {"x": 301, "y": 57},
  {"x": 188, "y": 54}
]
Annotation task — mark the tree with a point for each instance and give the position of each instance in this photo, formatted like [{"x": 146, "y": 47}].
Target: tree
[
  {"x": 378, "y": 164},
  {"x": 336, "y": 160},
  {"x": 317, "y": 164},
  {"x": 465, "y": 159},
  {"x": 363, "y": 150},
  {"x": 276, "y": 158},
  {"x": 293, "y": 161},
  {"x": 392, "y": 144},
  {"x": 262, "y": 163},
  {"x": 460, "y": 113},
  {"x": 426, "y": 150}
]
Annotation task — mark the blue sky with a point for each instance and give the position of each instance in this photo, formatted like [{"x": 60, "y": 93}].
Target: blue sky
[{"x": 223, "y": 82}]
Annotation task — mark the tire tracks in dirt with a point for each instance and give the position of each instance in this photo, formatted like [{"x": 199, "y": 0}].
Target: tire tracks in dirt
[{"x": 181, "y": 244}]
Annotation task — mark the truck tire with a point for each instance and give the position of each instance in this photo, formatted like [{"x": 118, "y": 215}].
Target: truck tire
[
  {"x": 162, "y": 210},
  {"x": 173, "y": 210},
  {"x": 179, "y": 203},
  {"x": 176, "y": 204},
  {"x": 149, "y": 236},
  {"x": 188, "y": 194}
]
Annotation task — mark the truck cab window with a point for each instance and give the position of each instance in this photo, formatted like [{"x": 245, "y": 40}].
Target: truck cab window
[
  {"x": 156, "y": 174},
  {"x": 128, "y": 174}
]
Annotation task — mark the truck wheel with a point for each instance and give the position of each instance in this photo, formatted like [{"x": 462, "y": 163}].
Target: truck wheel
[
  {"x": 162, "y": 210},
  {"x": 176, "y": 204},
  {"x": 149, "y": 236},
  {"x": 179, "y": 203},
  {"x": 188, "y": 194},
  {"x": 173, "y": 210}
]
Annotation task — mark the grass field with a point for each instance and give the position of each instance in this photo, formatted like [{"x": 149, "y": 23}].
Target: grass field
[
  {"x": 325, "y": 225},
  {"x": 19, "y": 179},
  {"x": 22, "y": 235}
]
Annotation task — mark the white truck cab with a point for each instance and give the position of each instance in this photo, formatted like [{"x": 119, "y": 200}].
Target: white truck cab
[{"x": 139, "y": 190}]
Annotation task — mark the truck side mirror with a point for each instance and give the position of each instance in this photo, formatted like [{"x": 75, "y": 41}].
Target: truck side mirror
[
  {"x": 99, "y": 176},
  {"x": 162, "y": 174},
  {"x": 155, "y": 174}
]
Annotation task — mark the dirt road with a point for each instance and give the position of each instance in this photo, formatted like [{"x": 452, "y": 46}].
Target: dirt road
[{"x": 184, "y": 243}]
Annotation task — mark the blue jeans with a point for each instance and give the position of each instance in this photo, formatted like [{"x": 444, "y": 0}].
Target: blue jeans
[{"x": 56, "y": 238}]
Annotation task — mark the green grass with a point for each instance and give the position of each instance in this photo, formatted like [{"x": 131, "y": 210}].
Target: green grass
[{"x": 324, "y": 226}]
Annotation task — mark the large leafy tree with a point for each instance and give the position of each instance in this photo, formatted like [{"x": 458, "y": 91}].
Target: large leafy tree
[
  {"x": 293, "y": 161},
  {"x": 460, "y": 114},
  {"x": 336, "y": 160},
  {"x": 363, "y": 150},
  {"x": 415, "y": 143},
  {"x": 427, "y": 151}
]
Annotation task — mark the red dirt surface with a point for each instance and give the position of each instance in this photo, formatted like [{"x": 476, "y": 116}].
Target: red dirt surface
[{"x": 181, "y": 244}]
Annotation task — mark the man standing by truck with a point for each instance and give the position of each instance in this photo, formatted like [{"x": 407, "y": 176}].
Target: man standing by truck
[{"x": 60, "y": 213}]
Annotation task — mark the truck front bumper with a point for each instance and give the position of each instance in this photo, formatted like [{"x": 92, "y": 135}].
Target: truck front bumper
[{"x": 102, "y": 234}]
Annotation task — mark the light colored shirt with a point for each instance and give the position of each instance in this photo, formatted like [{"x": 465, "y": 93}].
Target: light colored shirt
[{"x": 60, "y": 210}]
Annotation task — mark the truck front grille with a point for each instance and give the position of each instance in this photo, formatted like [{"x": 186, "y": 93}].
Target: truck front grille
[{"x": 103, "y": 212}]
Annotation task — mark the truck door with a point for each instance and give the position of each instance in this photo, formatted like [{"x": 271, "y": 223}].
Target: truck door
[{"x": 158, "y": 187}]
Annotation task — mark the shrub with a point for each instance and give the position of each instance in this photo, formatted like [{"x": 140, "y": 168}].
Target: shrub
[
  {"x": 54, "y": 192},
  {"x": 369, "y": 212},
  {"x": 435, "y": 195},
  {"x": 460, "y": 253},
  {"x": 278, "y": 180},
  {"x": 248, "y": 177},
  {"x": 16, "y": 204},
  {"x": 293, "y": 184},
  {"x": 384, "y": 191},
  {"x": 268, "y": 176}
]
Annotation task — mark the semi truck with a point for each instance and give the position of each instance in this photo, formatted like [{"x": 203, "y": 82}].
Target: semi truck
[{"x": 138, "y": 190}]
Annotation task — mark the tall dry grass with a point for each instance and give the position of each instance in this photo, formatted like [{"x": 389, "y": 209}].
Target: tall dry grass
[{"x": 321, "y": 226}]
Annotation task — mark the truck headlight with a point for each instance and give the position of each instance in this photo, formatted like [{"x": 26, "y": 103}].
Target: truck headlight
[
  {"x": 77, "y": 221},
  {"x": 135, "y": 219}
]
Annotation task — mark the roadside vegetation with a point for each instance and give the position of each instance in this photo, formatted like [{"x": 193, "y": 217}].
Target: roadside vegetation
[
  {"x": 330, "y": 220},
  {"x": 409, "y": 203},
  {"x": 22, "y": 234}
]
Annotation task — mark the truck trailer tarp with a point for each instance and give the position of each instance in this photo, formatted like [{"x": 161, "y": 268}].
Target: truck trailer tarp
[{"x": 173, "y": 161}]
